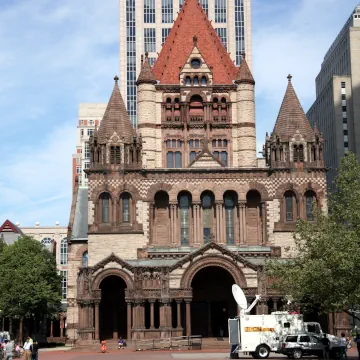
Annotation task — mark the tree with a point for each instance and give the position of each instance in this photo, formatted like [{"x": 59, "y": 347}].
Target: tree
[
  {"x": 29, "y": 281},
  {"x": 2, "y": 244},
  {"x": 322, "y": 270}
]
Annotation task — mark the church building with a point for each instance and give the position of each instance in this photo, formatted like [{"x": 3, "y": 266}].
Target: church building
[{"x": 181, "y": 208}]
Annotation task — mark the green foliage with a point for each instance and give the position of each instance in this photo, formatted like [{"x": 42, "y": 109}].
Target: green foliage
[
  {"x": 2, "y": 244},
  {"x": 29, "y": 282},
  {"x": 323, "y": 269}
]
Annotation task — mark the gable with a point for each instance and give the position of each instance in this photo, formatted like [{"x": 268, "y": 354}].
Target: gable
[
  {"x": 205, "y": 160},
  {"x": 192, "y": 21}
]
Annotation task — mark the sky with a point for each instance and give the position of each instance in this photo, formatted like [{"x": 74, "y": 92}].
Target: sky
[{"x": 56, "y": 54}]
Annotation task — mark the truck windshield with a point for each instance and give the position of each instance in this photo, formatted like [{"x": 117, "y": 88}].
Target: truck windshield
[{"x": 314, "y": 328}]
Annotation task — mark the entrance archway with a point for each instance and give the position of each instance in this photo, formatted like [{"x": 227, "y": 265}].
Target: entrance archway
[
  {"x": 113, "y": 314},
  {"x": 212, "y": 303}
]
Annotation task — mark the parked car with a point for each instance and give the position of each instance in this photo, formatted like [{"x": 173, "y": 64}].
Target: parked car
[{"x": 299, "y": 345}]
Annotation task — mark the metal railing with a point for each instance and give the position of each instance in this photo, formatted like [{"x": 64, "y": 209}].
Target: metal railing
[{"x": 181, "y": 342}]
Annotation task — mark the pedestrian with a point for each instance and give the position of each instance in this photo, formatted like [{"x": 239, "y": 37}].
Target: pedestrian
[
  {"x": 343, "y": 346},
  {"x": 121, "y": 343},
  {"x": 357, "y": 341},
  {"x": 27, "y": 349},
  {"x": 326, "y": 346},
  {"x": 35, "y": 350},
  {"x": 9, "y": 348}
]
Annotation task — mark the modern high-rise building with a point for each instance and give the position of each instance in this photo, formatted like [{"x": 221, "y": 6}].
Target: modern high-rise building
[
  {"x": 336, "y": 110},
  {"x": 145, "y": 24}
]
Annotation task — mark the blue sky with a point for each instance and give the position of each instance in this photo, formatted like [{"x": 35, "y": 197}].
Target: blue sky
[{"x": 56, "y": 54}]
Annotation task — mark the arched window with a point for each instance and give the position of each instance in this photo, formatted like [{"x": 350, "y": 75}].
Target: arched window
[
  {"x": 203, "y": 81},
  {"x": 115, "y": 155},
  {"x": 85, "y": 259},
  {"x": 229, "y": 204},
  {"x": 184, "y": 201},
  {"x": 298, "y": 153},
  {"x": 187, "y": 81},
  {"x": 105, "y": 208},
  {"x": 196, "y": 81},
  {"x": 310, "y": 199},
  {"x": 64, "y": 252},
  {"x": 207, "y": 204},
  {"x": 196, "y": 108},
  {"x": 224, "y": 158},
  {"x": 48, "y": 243},
  {"x": 290, "y": 206},
  {"x": 125, "y": 206}
]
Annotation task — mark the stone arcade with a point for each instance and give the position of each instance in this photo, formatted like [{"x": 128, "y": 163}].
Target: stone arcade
[{"x": 180, "y": 209}]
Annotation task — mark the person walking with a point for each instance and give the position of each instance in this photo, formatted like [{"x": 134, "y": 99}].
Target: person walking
[
  {"x": 343, "y": 346},
  {"x": 8, "y": 349},
  {"x": 357, "y": 341},
  {"x": 27, "y": 349},
  {"x": 35, "y": 350},
  {"x": 326, "y": 346}
]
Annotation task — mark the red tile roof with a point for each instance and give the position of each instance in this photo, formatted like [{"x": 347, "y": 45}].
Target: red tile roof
[
  {"x": 192, "y": 21},
  {"x": 292, "y": 117}
]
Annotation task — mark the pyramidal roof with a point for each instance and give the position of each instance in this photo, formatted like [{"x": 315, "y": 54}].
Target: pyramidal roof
[
  {"x": 115, "y": 119},
  {"x": 193, "y": 22},
  {"x": 292, "y": 117},
  {"x": 244, "y": 74},
  {"x": 146, "y": 75}
]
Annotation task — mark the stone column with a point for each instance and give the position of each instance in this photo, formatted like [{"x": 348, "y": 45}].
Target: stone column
[
  {"x": 152, "y": 302},
  {"x": 128, "y": 325},
  {"x": 275, "y": 303},
  {"x": 173, "y": 224},
  {"x": 218, "y": 222},
  {"x": 10, "y": 326},
  {"x": 141, "y": 314},
  {"x": 97, "y": 321},
  {"x": 263, "y": 222},
  {"x": 135, "y": 318},
  {"x": 51, "y": 329},
  {"x": 178, "y": 313},
  {"x": 197, "y": 238},
  {"x": 188, "y": 317},
  {"x": 241, "y": 228}
]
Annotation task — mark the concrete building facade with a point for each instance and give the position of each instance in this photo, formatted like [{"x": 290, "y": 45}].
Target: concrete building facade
[
  {"x": 179, "y": 209},
  {"x": 336, "y": 110}
]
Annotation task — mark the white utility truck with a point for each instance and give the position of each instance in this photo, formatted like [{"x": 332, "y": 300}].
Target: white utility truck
[{"x": 258, "y": 335}]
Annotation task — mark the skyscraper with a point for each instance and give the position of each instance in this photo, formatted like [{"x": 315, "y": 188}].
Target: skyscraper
[
  {"x": 145, "y": 24},
  {"x": 336, "y": 110}
]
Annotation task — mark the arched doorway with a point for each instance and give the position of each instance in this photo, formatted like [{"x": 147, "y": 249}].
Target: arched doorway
[
  {"x": 213, "y": 303},
  {"x": 113, "y": 314}
]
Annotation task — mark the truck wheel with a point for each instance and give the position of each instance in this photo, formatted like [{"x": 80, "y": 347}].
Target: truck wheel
[
  {"x": 297, "y": 354},
  {"x": 253, "y": 355},
  {"x": 262, "y": 352}
]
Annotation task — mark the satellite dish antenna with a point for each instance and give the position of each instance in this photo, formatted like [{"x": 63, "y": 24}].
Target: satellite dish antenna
[
  {"x": 241, "y": 300},
  {"x": 239, "y": 297}
]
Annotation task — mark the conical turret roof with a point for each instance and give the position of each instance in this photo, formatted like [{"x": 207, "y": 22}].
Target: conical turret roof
[
  {"x": 115, "y": 119},
  {"x": 244, "y": 74},
  {"x": 292, "y": 117},
  {"x": 146, "y": 75}
]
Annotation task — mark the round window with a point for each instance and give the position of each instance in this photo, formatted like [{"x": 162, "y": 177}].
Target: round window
[{"x": 195, "y": 63}]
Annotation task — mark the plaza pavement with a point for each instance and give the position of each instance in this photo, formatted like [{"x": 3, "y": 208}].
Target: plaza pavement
[{"x": 155, "y": 355}]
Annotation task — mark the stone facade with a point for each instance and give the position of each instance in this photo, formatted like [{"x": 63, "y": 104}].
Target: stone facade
[{"x": 185, "y": 194}]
